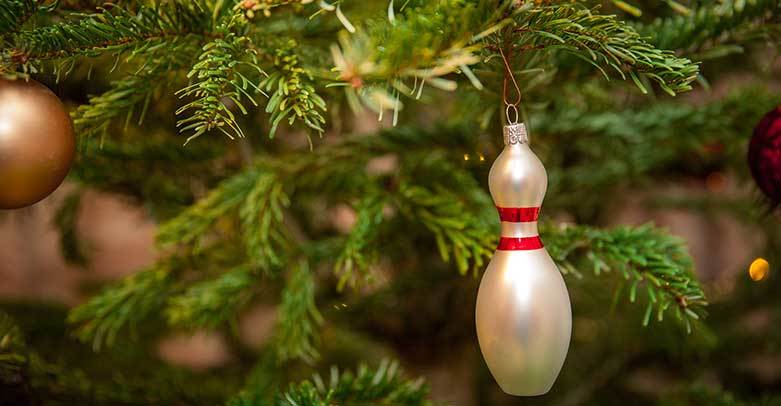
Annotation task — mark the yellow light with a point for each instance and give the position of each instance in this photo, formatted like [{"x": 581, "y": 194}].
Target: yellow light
[
  {"x": 759, "y": 269},
  {"x": 482, "y": 158},
  {"x": 466, "y": 157}
]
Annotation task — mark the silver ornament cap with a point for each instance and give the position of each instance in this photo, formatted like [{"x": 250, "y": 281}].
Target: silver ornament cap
[
  {"x": 515, "y": 134},
  {"x": 523, "y": 313}
]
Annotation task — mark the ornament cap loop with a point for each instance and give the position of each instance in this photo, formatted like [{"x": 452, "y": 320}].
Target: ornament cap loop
[
  {"x": 515, "y": 134},
  {"x": 511, "y": 118}
]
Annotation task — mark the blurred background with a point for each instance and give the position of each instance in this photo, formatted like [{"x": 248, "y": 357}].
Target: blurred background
[
  {"x": 615, "y": 157},
  {"x": 431, "y": 328}
]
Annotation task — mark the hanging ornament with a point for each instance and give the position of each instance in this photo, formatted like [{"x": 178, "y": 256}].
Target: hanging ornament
[
  {"x": 764, "y": 155},
  {"x": 37, "y": 144},
  {"x": 523, "y": 313}
]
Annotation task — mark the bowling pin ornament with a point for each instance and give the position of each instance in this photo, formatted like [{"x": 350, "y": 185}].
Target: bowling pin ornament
[{"x": 523, "y": 313}]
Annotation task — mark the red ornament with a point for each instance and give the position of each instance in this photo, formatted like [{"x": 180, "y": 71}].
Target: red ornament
[{"x": 764, "y": 155}]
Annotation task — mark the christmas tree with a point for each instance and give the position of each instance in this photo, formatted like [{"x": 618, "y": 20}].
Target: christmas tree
[{"x": 328, "y": 162}]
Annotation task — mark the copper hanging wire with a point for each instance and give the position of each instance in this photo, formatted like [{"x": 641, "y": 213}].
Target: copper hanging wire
[{"x": 514, "y": 105}]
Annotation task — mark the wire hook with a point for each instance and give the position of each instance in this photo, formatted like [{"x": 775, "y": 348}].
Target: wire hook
[
  {"x": 509, "y": 72},
  {"x": 510, "y": 106}
]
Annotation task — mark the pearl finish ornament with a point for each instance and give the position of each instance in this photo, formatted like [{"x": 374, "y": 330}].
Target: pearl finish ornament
[
  {"x": 37, "y": 144},
  {"x": 523, "y": 313}
]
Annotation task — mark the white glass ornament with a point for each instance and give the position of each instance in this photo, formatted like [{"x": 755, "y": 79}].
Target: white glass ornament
[{"x": 523, "y": 313}]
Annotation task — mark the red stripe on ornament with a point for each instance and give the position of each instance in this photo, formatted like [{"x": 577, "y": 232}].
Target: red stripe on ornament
[
  {"x": 518, "y": 214},
  {"x": 519, "y": 243}
]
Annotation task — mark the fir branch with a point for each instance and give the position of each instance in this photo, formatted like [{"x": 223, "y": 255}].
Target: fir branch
[
  {"x": 426, "y": 166},
  {"x": 702, "y": 393},
  {"x": 250, "y": 7},
  {"x": 116, "y": 31},
  {"x": 645, "y": 257},
  {"x": 298, "y": 324},
  {"x": 212, "y": 302},
  {"x": 149, "y": 166},
  {"x": 261, "y": 382},
  {"x": 375, "y": 67},
  {"x": 77, "y": 377},
  {"x": 383, "y": 386},
  {"x": 14, "y": 13},
  {"x": 157, "y": 148},
  {"x": 23, "y": 371},
  {"x": 708, "y": 23},
  {"x": 257, "y": 197},
  {"x": 261, "y": 216},
  {"x": 605, "y": 42},
  {"x": 615, "y": 145},
  {"x": 145, "y": 295},
  {"x": 424, "y": 43},
  {"x": 126, "y": 94},
  {"x": 10, "y": 335},
  {"x": 293, "y": 95},
  {"x": 360, "y": 249},
  {"x": 191, "y": 225},
  {"x": 441, "y": 32},
  {"x": 66, "y": 221},
  {"x": 437, "y": 195},
  {"x": 220, "y": 86},
  {"x": 127, "y": 303},
  {"x": 442, "y": 212}
]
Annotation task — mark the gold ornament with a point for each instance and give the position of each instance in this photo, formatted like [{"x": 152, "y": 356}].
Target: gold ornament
[
  {"x": 37, "y": 143},
  {"x": 759, "y": 269}
]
